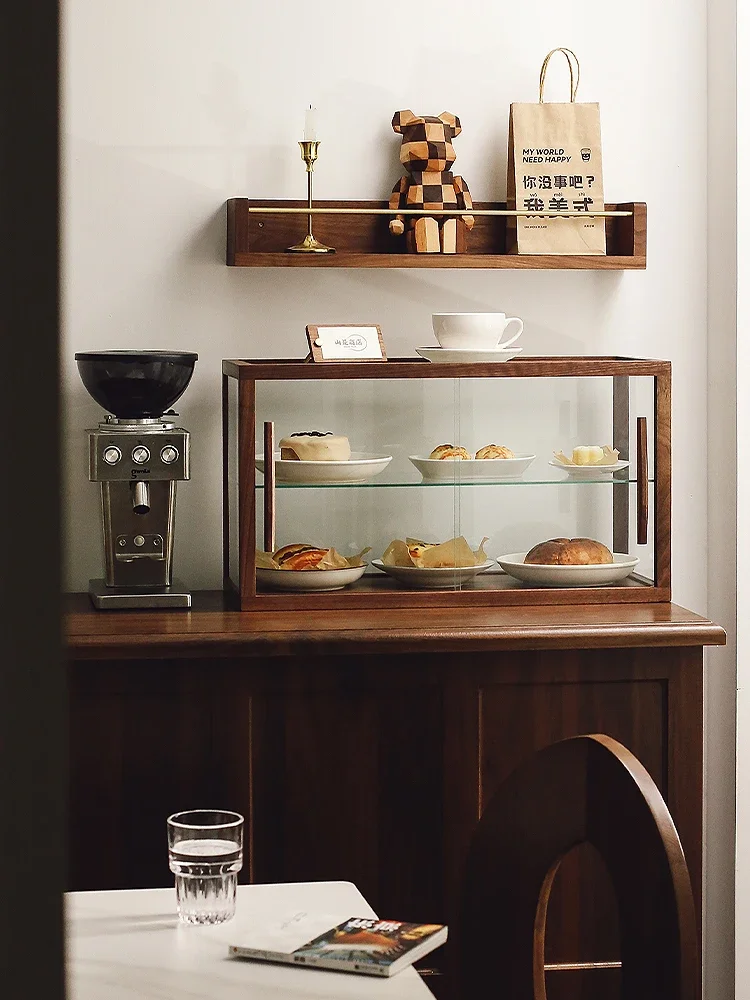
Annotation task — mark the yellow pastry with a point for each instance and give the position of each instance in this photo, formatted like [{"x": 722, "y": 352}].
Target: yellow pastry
[{"x": 587, "y": 454}]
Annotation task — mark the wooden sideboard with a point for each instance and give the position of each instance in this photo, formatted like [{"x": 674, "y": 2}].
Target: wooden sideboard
[{"x": 361, "y": 745}]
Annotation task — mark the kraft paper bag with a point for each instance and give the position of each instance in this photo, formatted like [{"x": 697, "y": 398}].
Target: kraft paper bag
[{"x": 555, "y": 164}]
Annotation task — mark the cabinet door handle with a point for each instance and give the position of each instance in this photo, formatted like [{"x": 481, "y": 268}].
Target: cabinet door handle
[
  {"x": 642, "y": 480},
  {"x": 269, "y": 489}
]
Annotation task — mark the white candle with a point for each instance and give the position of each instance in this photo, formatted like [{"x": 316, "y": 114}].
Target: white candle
[{"x": 311, "y": 119}]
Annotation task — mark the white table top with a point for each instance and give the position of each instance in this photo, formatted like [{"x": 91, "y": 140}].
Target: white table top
[{"x": 128, "y": 944}]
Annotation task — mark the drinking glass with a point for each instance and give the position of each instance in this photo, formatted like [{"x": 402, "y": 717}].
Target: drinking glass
[{"x": 205, "y": 854}]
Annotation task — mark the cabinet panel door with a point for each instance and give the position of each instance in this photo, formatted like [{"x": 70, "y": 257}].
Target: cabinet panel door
[
  {"x": 143, "y": 744},
  {"x": 347, "y": 784},
  {"x": 518, "y": 719}
]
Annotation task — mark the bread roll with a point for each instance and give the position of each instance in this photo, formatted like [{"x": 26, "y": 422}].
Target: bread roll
[
  {"x": 494, "y": 451},
  {"x": 448, "y": 451},
  {"x": 569, "y": 552}
]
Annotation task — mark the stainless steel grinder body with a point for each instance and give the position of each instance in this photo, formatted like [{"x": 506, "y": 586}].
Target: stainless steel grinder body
[{"x": 138, "y": 463}]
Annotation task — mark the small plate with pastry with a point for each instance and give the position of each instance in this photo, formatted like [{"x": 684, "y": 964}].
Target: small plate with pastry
[
  {"x": 431, "y": 566},
  {"x": 323, "y": 459},
  {"x": 589, "y": 461},
  {"x": 569, "y": 562},
  {"x": 493, "y": 461},
  {"x": 301, "y": 566}
]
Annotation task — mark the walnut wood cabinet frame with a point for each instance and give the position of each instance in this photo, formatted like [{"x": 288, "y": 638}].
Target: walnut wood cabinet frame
[
  {"x": 380, "y": 592},
  {"x": 365, "y": 744}
]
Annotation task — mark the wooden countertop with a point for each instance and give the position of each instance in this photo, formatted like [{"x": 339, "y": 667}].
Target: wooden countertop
[{"x": 208, "y": 629}]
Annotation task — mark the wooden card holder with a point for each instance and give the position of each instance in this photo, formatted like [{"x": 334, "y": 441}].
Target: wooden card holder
[{"x": 345, "y": 342}]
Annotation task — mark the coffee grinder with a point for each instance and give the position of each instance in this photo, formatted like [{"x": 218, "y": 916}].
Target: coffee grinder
[{"x": 137, "y": 454}]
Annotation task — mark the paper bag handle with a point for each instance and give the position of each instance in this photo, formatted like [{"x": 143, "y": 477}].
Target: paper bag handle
[{"x": 574, "y": 77}]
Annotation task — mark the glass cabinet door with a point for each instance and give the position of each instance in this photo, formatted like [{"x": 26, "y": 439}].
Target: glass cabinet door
[{"x": 416, "y": 520}]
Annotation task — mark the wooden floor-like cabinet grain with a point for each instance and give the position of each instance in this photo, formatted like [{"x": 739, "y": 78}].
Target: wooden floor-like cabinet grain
[{"x": 372, "y": 764}]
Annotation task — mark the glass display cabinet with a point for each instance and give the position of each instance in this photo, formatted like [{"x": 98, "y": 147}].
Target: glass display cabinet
[{"x": 337, "y": 495}]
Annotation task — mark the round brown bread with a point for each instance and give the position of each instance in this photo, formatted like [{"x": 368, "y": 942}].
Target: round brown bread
[{"x": 569, "y": 552}]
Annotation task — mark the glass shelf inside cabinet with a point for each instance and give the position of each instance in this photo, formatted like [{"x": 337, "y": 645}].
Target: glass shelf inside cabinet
[{"x": 422, "y": 483}]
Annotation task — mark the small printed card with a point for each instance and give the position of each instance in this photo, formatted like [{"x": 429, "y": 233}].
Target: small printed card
[{"x": 355, "y": 342}]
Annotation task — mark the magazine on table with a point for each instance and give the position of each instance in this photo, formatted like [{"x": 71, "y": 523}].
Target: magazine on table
[{"x": 360, "y": 944}]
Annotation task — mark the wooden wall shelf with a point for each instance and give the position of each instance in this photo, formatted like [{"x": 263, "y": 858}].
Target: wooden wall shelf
[{"x": 259, "y": 240}]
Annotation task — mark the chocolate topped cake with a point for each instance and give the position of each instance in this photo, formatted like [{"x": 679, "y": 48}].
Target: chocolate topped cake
[{"x": 315, "y": 446}]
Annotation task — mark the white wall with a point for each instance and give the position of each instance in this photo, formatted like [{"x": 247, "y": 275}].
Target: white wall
[
  {"x": 720, "y": 677},
  {"x": 742, "y": 911},
  {"x": 172, "y": 108}
]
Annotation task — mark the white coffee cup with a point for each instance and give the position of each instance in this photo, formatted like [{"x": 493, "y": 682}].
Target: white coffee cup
[{"x": 474, "y": 331}]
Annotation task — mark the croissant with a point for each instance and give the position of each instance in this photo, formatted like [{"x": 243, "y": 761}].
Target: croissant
[{"x": 299, "y": 556}]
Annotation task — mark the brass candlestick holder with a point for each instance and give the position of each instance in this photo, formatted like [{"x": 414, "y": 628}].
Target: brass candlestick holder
[{"x": 309, "y": 153}]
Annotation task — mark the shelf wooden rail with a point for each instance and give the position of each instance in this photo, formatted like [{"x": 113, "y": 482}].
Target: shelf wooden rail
[
  {"x": 259, "y": 231},
  {"x": 506, "y": 212}
]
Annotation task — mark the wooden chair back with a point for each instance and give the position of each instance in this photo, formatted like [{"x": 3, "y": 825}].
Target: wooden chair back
[{"x": 585, "y": 789}]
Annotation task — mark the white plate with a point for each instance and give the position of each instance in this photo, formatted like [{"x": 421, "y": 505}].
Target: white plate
[
  {"x": 588, "y": 471},
  {"x": 568, "y": 576},
  {"x": 432, "y": 578},
  {"x": 467, "y": 470},
  {"x": 309, "y": 579},
  {"x": 446, "y": 356},
  {"x": 360, "y": 467}
]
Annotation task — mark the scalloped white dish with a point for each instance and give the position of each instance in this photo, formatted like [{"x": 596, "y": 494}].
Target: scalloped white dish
[
  {"x": 360, "y": 467},
  {"x": 433, "y": 578},
  {"x": 447, "y": 356},
  {"x": 467, "y": 470},
  {"x": 602, "y": 575},
  {"x": 310, "y": 580},
  {"x": 588, "y": 471}
]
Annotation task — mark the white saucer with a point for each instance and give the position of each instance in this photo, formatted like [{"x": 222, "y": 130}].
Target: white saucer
[
  {"x": 361, "y": 467},
  {"x": 445, "y": 356},
  {"x": 313, "y": 580},
  {"x": 470, "y": 470},
  {"x": 600, "y": 575},
  {"x": 433, "y": 577},
  {"x": 588, "y": 471}
]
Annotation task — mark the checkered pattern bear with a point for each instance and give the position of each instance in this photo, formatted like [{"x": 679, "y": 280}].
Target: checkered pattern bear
[{"x": 427, "y": 153}]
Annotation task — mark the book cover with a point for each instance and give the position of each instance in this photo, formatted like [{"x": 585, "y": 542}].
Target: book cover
[{"x": 360, "y": 944}]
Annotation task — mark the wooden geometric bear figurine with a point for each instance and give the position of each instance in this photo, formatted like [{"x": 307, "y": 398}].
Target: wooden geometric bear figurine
[{"x": 427, "y": 153}]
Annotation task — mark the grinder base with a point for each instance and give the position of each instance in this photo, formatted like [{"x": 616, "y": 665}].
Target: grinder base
[{"x": 118, "y": 598}]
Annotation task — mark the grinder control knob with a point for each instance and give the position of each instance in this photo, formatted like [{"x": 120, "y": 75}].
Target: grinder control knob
[
  {"x": 169, "y": 454},
  {"x": 141, "y": 454},
  {"x": 112, "y": 454}
]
